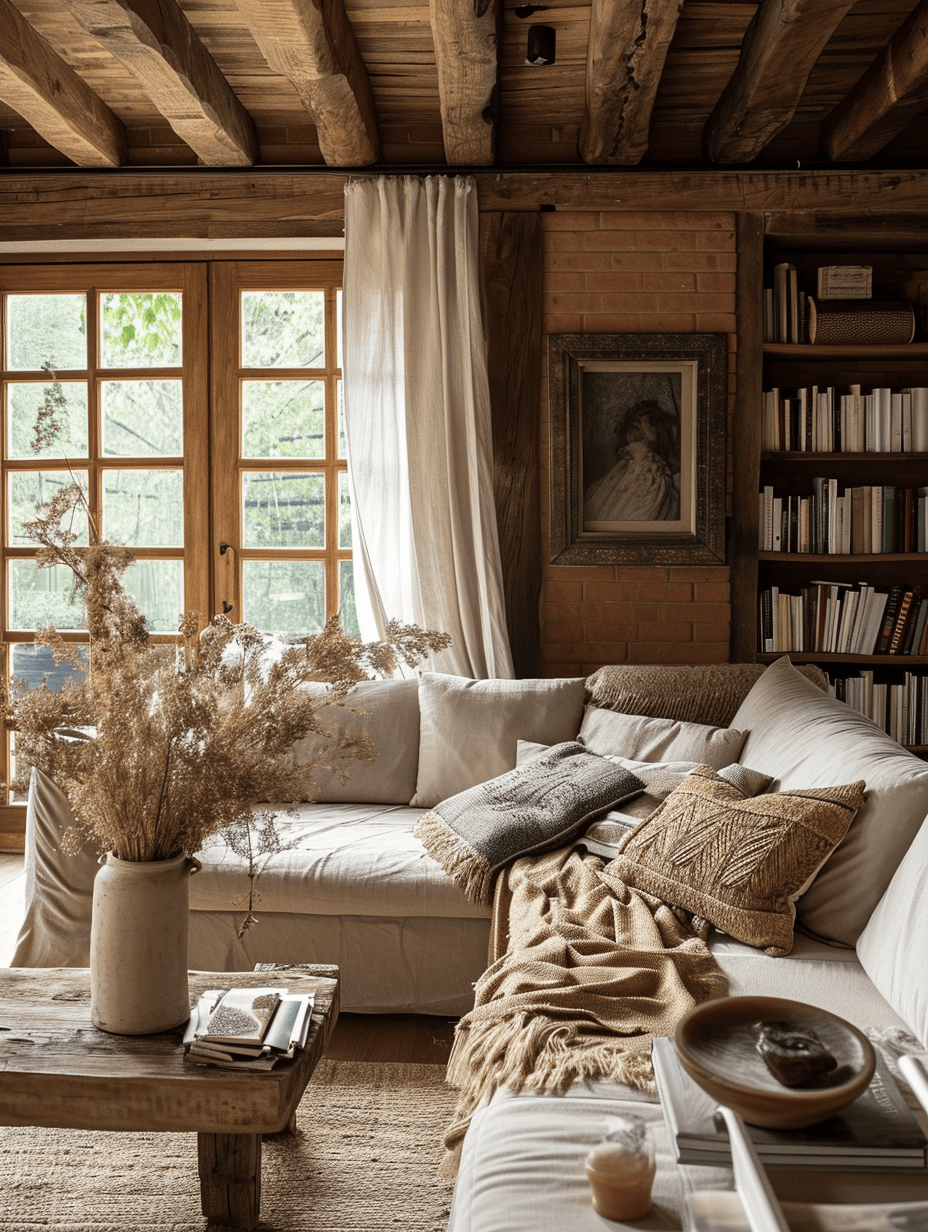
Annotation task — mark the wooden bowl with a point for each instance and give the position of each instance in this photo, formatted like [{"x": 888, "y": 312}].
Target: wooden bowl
[{"x": 718, "y": 1050}]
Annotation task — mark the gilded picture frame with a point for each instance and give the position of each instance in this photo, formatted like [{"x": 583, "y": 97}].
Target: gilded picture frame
[{"x": 638, "y": 448}]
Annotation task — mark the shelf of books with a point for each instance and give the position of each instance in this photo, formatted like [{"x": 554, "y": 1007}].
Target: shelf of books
[{"x": 842, "y": 516}]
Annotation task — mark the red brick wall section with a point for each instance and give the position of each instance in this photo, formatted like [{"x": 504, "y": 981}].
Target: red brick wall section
[{"x": 610, "y": 273}]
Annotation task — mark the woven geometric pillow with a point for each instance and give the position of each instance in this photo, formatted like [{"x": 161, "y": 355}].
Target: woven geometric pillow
[{"x": 739, "y": 862}]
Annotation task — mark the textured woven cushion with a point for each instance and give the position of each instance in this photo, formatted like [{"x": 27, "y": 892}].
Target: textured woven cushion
[
  {"x": 737, "y": 861},
  {"x": 641, "y": 738},
  {"x": 469, "y": 729},
  {"x": 536, "y": 806},
  {"x": 801, "y": 736},
  {"x": 385, "y": 712},
  {"x": 698, "y": 693}
]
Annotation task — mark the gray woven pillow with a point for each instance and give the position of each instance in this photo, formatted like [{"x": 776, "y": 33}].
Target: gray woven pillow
[{"x": 533, "y": 808}]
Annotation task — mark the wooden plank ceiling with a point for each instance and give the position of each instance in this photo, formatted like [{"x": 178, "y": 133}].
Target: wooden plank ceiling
[{"x": 396, "y": 84}]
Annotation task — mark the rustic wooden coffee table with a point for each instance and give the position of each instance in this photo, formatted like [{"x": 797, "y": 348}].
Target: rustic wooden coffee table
[{"x": 57, "y": 1070}]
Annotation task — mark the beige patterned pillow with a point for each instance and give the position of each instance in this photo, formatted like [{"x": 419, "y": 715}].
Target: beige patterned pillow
[{"x": 738, "y": 861}]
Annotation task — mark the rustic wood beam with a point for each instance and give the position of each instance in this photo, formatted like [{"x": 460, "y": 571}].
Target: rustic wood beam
[
  {"x": 312, "y": 44},
  {"x": 49, "y": 95},
  {"x": 625, "y": 58},
  {"x": 464, "y": 33},
  {"x": 258, "y": 204},
  {"x": 779, "y": 51},
  {"x": 892, "y": 91},
  {"x": 154, "y": 40}
]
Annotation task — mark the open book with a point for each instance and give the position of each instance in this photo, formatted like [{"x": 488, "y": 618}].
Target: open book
[{"x": 878, "y": 1130}]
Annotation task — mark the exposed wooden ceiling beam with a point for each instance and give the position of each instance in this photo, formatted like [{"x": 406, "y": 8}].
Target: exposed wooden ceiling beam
[
  {"x": 75, "y": 205},
  {"x": 49, "y": 95},
  {"x": 780, "y": 48},
  {"x": 892, "y": 91},
  {"x": 464, "y": 33},
  {"x": 157, "y": 44},
  {"x": 312, "y": 44},
  {"x": 625, "y": 58}
]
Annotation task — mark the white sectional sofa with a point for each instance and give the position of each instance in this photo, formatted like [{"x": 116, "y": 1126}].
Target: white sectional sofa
[
  {"x": 522, "y": 1159},
  {"x": 357, "y": 888}
]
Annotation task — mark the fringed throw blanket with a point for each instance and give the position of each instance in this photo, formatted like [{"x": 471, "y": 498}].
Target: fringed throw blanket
[{"x": 586, "y": 970}]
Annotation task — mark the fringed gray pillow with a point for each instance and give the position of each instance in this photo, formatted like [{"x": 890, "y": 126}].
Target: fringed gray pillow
[{"x": 533, "y": 808}]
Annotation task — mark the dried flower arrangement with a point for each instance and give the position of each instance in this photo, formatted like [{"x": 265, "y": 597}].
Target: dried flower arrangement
[{"x": 187, "y": 740}]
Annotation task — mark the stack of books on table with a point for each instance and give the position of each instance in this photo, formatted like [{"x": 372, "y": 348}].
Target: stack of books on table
[
  {"x": 247, "y": 1028},
  {"x": 877, "y": 1132}
]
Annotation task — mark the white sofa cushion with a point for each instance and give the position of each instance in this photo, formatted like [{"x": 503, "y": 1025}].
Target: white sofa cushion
[
  {"x": 387, "y": 713},
  {"x": 806, "y": 739},
  {"x": 641, "y": 738},
  {"x": 469, "y": 729},
  {"x": 891, "y": 948}
]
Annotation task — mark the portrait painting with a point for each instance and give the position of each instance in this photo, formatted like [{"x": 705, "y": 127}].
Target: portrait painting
[{"x": 637, "y": 427}]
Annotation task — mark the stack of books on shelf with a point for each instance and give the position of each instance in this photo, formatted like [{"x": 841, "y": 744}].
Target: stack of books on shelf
[
  {"x": 877, "y": 1131},
  {"x": 784, "y": 306},
  {"x": 823, "y": 420},
  {"x": 863, "y": 520},
  {"x": 247, "y": 1028},
  {"x": 841, "y": 618},
  {"x": 897, "y": 707}
]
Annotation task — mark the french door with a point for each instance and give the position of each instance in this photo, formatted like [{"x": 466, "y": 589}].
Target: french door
[{"x": 197, "y": 405}]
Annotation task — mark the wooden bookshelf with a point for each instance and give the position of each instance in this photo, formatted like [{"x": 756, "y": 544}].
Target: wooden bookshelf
[{"x": 793, "y": 366}]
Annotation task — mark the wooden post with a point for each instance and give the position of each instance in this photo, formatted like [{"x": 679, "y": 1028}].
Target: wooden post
[
  {"x": 230, "y": 1178},
  {"x": 511, "y": 267}
]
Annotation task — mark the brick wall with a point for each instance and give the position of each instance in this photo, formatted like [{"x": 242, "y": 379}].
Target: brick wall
[{"x": 635, "y": 273}]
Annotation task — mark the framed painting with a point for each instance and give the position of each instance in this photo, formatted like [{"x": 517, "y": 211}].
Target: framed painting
[{"x": 638, "y": 454}]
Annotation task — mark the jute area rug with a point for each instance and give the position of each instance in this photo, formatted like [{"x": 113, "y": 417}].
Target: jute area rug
[{"x": 365, "y": 1159}]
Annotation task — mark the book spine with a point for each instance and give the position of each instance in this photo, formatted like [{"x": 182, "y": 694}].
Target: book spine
[{"x": 889, "y": 620}]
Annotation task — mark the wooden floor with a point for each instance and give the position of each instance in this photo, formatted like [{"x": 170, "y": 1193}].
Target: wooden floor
[{"x": 405, "y": 1038}]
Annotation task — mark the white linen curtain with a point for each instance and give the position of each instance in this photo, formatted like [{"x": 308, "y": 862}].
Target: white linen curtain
[{"x": 417, "y": 418}]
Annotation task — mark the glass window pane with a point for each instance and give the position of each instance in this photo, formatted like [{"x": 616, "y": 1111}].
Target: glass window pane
[
  {"x": 283, "y": 510},
  {"x": 28, "y": 491},
  {"x": 283, "y": 329},
  {"x": 25, "y": 403},
  {"x": 144, "y": 508},
  {"x": 344, "y": 512},
  {"x": 143, "y": 419},
  {"x": 40, "y": 597},
  {"x": 283, "y": 419},
  {"x": 46, "y": 329},
  {"x": 157, "y": 586},
  {"x": 34, "y": 664},
  {"x": 284, "y": 596},
  {"x": 140, "y": 329},
  {"x": 347, "y": 605}
]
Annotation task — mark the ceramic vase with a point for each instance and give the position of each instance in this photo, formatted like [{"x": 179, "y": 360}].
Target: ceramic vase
[{"x": 138, "y": 945}]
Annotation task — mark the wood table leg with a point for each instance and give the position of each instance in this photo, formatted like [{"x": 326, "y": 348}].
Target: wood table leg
[{"x": 230, "y": 1178}]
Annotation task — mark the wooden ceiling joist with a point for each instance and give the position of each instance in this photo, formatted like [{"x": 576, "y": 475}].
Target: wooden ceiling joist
[
  {"x": 464, "y": 33},
  {"x": 312, "y": 44},
  {"x": 890, "y": 93},
  {"x": 780, "y": 48},
  {"x": 625, "y": 59},
  {"x": 154, "y": 40},
  {"x": 49, "y": 95}
]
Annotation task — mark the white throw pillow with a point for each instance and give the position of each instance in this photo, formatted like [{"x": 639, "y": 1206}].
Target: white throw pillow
[
  {"x": 639, "y": 738},
  {"x": 803, "y": 738},
  {"x": 387, "y": 713},
  {"x": 469, "y": 729},
  {"x": 891, "y": 948}
]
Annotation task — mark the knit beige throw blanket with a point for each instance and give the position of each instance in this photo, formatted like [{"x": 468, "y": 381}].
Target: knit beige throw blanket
[{"x": 586, "y": 970}]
